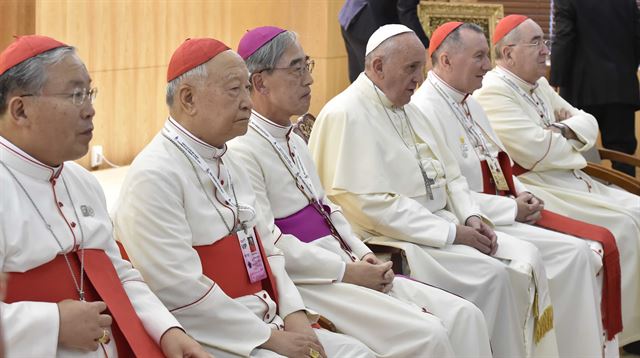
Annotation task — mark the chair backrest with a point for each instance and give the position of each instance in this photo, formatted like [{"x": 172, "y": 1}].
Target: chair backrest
[{"x": 303, "y": 126}]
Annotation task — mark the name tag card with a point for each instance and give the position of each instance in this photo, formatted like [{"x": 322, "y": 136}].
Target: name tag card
[
  {"x": 251, "y": 255},
  {"x": 497, "y": 174}
]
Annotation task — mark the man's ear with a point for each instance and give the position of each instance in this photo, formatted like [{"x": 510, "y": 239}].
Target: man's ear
[
  {"x": 18, "y": 112},
  {"x": 377, "y": 65},
  {"x": 258, "y": 83},
  {"x": 186, "y": 99}
]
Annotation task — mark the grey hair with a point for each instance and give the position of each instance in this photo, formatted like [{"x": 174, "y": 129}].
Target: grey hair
[
  {"x": 453, "y": 40},
  {"x": 383, "y": 50},
  {"x": 30, "y": 75},
  {"x": 511, "y": 37},
  {"x": 268, "y": 55},
  {"x": 199, "y": 73}
]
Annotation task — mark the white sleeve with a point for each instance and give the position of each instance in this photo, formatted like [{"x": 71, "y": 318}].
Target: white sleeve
[{"x": 396, "y": 216}]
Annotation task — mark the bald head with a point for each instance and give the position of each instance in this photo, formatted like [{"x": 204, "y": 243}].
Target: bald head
[{"x": 396, "y": 66}]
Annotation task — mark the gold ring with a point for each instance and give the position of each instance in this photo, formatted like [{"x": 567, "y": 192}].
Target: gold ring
[
  {"x": 314, "y": 353},
  {"x": 104, "y": 339}
]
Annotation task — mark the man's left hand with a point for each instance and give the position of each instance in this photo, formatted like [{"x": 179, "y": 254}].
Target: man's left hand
[
  {"x": 477, "y": 223},
  {"x": 298, "y": 322},
  {"x": 177, "y": 344}
]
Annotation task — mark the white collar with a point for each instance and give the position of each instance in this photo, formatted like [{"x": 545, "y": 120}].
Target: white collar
[
  {"x": 204, "y": 149},
  {"x": 519, "y": 81},
  {"x": 17, "y": 159},
  {"x": 365, "y": 85},
  {"x": 457, "y": 96},
  {"x": 276, "y": 130}
]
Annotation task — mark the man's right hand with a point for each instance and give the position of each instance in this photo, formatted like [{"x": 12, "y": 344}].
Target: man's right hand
[
  {"x": 469, "y": 236},
  {"x": 292, "y": 344},
  {"x": 528, "y": 208},
  {"x": 366, "y": 274},
  {"x": 82, "y": 324}
]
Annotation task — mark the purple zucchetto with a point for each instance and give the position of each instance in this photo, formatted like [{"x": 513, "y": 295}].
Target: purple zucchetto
[{"x": 254, "y": 39}]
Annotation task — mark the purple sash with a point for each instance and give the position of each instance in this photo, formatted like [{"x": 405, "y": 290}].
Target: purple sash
[{"x": 307, "y": 224}]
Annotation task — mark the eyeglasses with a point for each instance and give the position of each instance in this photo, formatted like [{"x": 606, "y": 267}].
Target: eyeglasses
[
  {"x": 78, "y": 96},
  {"x": 535, "y": 43},
  {"x": 297, "y": 70}
]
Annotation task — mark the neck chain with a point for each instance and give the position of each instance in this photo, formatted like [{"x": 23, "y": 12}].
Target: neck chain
[
  {"x": 80, "y": 285},
  {"x": 428, "y": 182},
  {"x": 535, "y": 103}
]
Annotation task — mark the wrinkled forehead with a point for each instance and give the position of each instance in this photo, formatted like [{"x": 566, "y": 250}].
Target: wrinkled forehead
[
  {"x": 227, "y": 66},
  {"x": 530, "y": 31},
  {"x": 293, "y": 55},
  {"x": 69, "y": 72}
]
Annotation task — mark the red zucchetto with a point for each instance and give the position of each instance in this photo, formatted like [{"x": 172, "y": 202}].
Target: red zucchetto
[
  {"x": 25, "y": 47},
  {"x": 441, "y": 33},
  {"x": 193, "y": 53},
  {"x": 506, "y": 25}
]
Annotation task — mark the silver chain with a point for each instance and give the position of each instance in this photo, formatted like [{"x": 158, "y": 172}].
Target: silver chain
[{"x": 80, "y": 286}]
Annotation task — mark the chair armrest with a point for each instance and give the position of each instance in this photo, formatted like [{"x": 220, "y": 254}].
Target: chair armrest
[
  {"x": 619, "y": 157},
  {"x": 394, "y": 253},
  {"x": 612, "y": 176}
]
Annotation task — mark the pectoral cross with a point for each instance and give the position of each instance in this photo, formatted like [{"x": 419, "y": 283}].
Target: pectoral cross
[{"x": 428, "y": 182}]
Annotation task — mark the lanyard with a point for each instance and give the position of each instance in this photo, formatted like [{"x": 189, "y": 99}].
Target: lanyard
[
  {"x": 194, "y": 157},
  {"x": 467, "y": 122},
  {"x": 542, "y": 112},
  {"x": 294, "y": 165}
]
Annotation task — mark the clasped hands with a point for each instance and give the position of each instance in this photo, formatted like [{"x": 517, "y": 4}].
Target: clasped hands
[
  {"x": 370, "y": 272},
  {"x": 477, "y": 234}
]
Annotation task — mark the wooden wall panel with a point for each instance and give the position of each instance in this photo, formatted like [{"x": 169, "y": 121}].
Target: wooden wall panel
[
  {"x": 17, "y": 17},
  {"x": 127, "y": 45},
  {"x": 538, "y": 10}
]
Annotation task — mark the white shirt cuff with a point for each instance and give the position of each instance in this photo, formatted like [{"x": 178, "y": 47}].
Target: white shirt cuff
[
  {"x": 452, "y": 234},
  {"x": 341, "y": 273}
]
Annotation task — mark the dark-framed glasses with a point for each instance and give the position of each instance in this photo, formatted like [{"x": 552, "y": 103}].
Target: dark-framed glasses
[
  {"x": 299, "y": 69},
  {"x": 78, "y": 96}
]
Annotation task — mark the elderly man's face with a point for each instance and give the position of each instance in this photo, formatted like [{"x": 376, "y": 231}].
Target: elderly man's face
[
  {"x": 222, "y": 101},
  {"x": 59, "y": 129},
  {"x": 469, "y": 61},
  {"x": 530, "y": 53},
  {"x": 289, "y": 85},
  {"x": 403, "y": 68}
]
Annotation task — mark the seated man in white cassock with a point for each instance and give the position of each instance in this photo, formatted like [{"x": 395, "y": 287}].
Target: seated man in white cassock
[
  {"x": 336, "y": 273},
  {"x": 400, "y": 186},
  {"x": 545, "y": 136},
  {"x": 460, "y": 57},
  {"x": 187, "y": 219},
  {"x": 56, "y": 238}
]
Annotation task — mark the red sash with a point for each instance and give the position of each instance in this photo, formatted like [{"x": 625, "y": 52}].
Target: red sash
[
  {"x": 611, "y": 289},
  {"x": 222, "y": 262},
  {"x": 51, "y": 282}
]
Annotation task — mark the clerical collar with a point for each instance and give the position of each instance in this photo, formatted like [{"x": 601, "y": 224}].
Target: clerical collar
[
  {"x": 275, "y": 129},
  {"x": 457, "y": 96},
  {"x": 18, "y": 159},
  {"x": 369, "y": 88},
  {"x": 204, "y": 149},
  {"x": 519, "y": 81}
]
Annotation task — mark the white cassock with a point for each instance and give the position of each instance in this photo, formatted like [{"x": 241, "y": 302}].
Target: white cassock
[
  {"x": 317, "y": 267},
  {"x": 71, "y": 201},
  {"x": 554, "y": 174},
  {"x": 366, "y": 161},
  {"x": 167, "y": 209},
  {"x": 571, "y": 263}
]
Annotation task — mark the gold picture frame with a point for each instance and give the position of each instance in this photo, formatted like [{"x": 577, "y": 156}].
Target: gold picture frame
[{"x": 435, "y": 13}]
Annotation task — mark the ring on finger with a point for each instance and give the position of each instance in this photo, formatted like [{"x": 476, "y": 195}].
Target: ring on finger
[
  {"x": 314, "y": 353},
  {"x": 105, "y": 338}
]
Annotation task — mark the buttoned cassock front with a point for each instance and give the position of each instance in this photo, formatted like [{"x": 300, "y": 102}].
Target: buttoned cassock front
[
  {"x": 166, "y": 208},
  {"x": 554, "y": 174},
  {"x": 570, "y": 263},
  {"x": 32, "y": 328},
  {"x": 366, "y": 169},
  {"x": 317, "y": 267}
]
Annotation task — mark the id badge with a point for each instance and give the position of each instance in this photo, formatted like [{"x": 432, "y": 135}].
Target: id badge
[
  {"x": 497, "y": 174},
  {"x": 251, "y": 255}
]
